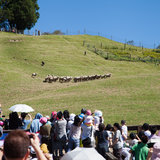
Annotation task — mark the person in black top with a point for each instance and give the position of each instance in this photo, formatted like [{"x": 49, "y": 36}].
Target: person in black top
[
  {"x": 102, "y": 140},
  {"x": 14, "y": 121}
]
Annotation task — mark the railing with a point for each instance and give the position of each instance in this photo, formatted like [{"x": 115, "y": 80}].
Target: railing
[{"x": 136, "y": 128}]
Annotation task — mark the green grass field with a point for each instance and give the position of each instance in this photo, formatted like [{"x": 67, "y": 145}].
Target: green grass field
[{"x": 132, "y": 93}]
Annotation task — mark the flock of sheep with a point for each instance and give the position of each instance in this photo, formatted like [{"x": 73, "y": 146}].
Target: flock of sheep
[{"x": 51, "y": 78}]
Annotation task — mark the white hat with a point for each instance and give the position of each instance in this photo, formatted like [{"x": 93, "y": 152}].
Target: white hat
[
  {"x": 98, "y": 113},
  {"x": 71, "y": 117}
]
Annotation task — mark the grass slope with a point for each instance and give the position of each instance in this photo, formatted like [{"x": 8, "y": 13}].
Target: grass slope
[{"x": 132, "y": 93}]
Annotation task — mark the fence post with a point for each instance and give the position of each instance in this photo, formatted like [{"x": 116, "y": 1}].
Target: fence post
[
  {"x": 124, "y": 46},
  {"x": 101, "y": 45},
  {"x": 95, "y": 50},
  {"x": 83, "y": 43}
]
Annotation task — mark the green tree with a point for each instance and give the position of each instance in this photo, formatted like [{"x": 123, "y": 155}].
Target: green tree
[
  {"x": 20, "y": 14},
  {"x": 58, "y": 32}
]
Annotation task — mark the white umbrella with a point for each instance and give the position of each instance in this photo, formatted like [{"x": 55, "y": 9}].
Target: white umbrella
[
  {"x": 21, "y": 108},
  {"x": 83, "y": 154}
]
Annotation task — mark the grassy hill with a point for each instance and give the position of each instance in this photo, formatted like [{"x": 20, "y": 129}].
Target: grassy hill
[{"x": 132, "y": 93}]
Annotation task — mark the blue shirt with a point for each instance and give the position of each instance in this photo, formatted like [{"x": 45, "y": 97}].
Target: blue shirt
[{"x": 25, "y": 124}]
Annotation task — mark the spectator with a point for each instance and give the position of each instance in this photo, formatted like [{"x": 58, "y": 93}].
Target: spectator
[
  {"x": 25, "y": 122},
  {"x": 145, "y": 127},
  {"x": 14, "y": 121},
  {"x": 88, "y": 130},
  {"x": 83, "y": 112},
  {"x": 124, "y": 130},
  {"x": 66, "y": 115},
  {"x": 75, "y": 133},
  {"x": 99, "y": 114},
  {"x": 70, "y": 122},
  {"x": 102, "y": 140},
  {"x": 45, "y": 130},
  {"x": 53, "y": 117},
  {"x": 109, "y": 130},
  {"x": 60, "y": 134},
  {"x": 17, "y": 143},
  {"x": 134, "y": 141},
  {"x": 35, "y": 125},
  {"x": 117, "y": 140},
  {"x": 141, "y": 150}
]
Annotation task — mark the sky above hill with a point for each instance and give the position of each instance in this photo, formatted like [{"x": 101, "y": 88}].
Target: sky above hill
[{"x": 120, "y": 20}]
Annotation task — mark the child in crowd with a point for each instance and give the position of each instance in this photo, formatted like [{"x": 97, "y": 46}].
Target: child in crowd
[
  {"x": 124, "y": 130},
  {"x": 133, "y": 138},
  {"x": 147, "y": 132},
  {"x": 109, "y": 130}
]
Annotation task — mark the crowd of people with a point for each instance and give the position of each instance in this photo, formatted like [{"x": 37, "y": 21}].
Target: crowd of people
[{"x": 62, "y": 132}]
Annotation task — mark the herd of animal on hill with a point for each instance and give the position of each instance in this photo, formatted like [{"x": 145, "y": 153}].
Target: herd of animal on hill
[{"x": 51, "y": 78}]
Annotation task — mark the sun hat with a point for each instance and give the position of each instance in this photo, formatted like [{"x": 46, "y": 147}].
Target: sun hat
[
  {"x": 71, "y": 117},
  {"x": 98, "y": 113},
  {"x": 88, "y": 112},
  {"x": 44, "y": 148},
  {"x": 43, "y": 120},
  {"x": 156, "y": 151},
  {"x": 88, "y": 120}
]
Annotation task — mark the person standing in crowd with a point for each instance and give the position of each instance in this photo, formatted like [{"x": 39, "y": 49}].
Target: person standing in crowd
[
  {"x": 14, "y": 121},
  {"x": 109, "y": 130},
  {"x": 124, "y": 130},
  {"x": 117, "y": 140},
  {"x": 75, "y": 133},
  {"x": 60, "y": 134},
  {"x": 70, "y": 122},
  {"x": 133, "y": 138},
  {"x": 35, "y": 125},
  {"x": 102, "y": 140},
  {"x": 25, "y": 122},
  {"x": 147, "y": 132},
  {"x": 45, "y": 130},
  {"x": 53, "y": 117},
  {"x": 88, "y": 129}
]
